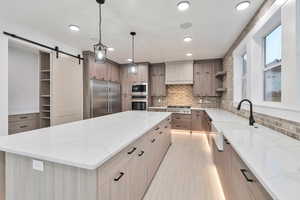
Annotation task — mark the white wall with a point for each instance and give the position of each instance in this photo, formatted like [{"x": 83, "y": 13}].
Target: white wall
[
  {"x": 3, "y": 85},
  {"x": 23, "y": 80}
]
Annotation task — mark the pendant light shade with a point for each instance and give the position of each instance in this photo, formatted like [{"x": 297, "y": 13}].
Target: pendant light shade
[
  {"x": 133, "y": 67},
  {"x": 100, "y": 49},
  {"x": 100, "y": 52}
]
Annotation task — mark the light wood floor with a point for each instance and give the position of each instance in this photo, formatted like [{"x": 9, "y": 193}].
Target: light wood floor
[{"x": 187, "y": 172}]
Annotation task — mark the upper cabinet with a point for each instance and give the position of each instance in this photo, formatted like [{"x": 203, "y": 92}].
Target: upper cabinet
[
  {"x": 108, "y": 71},
  {"x": 143, "y": 73},
  {"x": 157, "y": 80},
  {"x": 113, "y": 72},
  {"x": 179, "y": 72},
  {"x": 205, "y": 81}
]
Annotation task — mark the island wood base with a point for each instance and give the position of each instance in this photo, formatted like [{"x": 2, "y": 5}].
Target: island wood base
[{"x": 125, "y": 176}]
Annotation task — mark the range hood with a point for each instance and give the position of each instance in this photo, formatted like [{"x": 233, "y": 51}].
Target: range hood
[{"x": 179, "y": 72}]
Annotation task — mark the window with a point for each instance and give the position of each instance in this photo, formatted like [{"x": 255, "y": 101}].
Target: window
[
  {"x": 272, "y": 68},
  {"x": 244, "y": 76}
]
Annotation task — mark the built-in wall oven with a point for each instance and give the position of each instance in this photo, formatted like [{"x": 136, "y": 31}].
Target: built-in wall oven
[
  {"x": 140, "y": 89},
  {"x": 139, "y": 104}
]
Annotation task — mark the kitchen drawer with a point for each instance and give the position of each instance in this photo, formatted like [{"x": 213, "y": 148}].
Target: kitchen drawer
[
  {"x": 113, "y": 167},
  {"x": 22, "y": 126},
  {"x": 22, "y": 117},
  {"x": 254, "y": 186}
]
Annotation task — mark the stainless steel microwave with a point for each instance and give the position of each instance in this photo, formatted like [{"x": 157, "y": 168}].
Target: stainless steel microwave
[{"x": 140, "y": 89}]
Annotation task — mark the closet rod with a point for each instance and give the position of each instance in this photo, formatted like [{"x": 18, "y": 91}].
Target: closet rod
[{"x": 56, "y": 49}]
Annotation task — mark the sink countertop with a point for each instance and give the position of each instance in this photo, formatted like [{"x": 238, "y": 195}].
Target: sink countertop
[
  {"x": 85, "y": 144},
  {"x": 271, "y": 156}
]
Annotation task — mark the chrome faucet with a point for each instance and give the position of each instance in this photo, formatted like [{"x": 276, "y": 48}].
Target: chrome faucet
[{"x": 251, "y": 118}]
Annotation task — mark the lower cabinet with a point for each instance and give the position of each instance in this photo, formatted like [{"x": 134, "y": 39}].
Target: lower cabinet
[
  {"x": 197, "y": 120},
  {"x": 128, "y": 175},
  {"x": 237, "y": 180},
  {"x": 22, "y": 123},
  {"x": 181, "y": 121}
]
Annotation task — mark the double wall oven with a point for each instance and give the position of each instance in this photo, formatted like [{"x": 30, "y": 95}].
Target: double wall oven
[{"x": 139, "y": 96}]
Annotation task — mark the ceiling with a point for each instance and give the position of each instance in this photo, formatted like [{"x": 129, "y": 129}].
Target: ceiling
[{"x": 215, "y": 25}]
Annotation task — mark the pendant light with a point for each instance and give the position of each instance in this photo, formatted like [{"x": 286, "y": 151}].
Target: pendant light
[
  {"x": 133, "y": 67},
  {"x": 100, "y": 49}
]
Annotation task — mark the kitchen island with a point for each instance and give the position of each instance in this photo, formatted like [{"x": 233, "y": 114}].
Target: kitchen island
[{"x": 106, "y": 158}]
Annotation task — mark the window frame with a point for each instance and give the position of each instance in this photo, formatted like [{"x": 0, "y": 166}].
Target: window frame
[
  {"x": 269, "y": 66},
  {"x": 244, "y": 77}
]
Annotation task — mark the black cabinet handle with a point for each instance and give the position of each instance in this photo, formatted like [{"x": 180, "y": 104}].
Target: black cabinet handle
[
  {"x": 166, "y": 126},
  {"x": 141, "y": 153},
  {"x": 23, "y": 126},
  {"x": 23, "y": 117},
  {"x": 177, "y": 117},
  {"x": 120, "y": 176},
  {"x": 132, "y": 150},
  {"x": 160, "y": 132},
  {"x": 244, "y": 171},
  {"x": 156, "y": 128},
  {"x": 153, "y": 140}
]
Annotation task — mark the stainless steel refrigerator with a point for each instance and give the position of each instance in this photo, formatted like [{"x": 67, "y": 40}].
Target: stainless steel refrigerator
[{"x": 105, "y": 98}]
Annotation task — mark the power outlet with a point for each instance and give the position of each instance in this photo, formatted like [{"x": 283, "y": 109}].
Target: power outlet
[{"x": 38, "y": 165}]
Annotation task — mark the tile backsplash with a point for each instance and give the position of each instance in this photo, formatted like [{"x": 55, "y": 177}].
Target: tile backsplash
[{"x": 182, "y": 95}]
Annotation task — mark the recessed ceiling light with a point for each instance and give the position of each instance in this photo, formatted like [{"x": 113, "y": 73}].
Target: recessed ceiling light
[
  {"x": 189, "y": 54},
  {"x": 187, "y": 39},
  {"x": 129, "y": 60},
  {"x": 183, "y": 5},
  {"x": 110, "y": 49},
  {"x": 243, "y": 5},
  {"x": 74, "y": 28}
]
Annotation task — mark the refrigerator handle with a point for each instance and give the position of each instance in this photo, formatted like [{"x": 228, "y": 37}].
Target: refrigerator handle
[
  {"x": 91, "y": 100},
  {"x": 107, "y": 93}
]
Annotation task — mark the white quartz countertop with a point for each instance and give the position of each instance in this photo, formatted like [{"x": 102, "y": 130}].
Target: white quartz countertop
[
  {"x": 85, "y": 144},
  {"x": 272, "y": 157}
]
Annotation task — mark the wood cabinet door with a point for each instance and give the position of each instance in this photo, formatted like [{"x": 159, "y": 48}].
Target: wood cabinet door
[
  {"x": 161, "y": 86},
  {"x": 196, "y": 86},
  {"x": 101, "y": 71},
  {"x": 153, "y": 153},
  {"x": 92, "y": 68},
  {"x": 117, "y": 187},
  {"x": 225, "y": 177},
  {"x": 126, "y": 102},
  {"x": 205, "y": 79},
  {"x": 197, "y": 118},
  {"x": 138, "y": 172},
  {"x": 143, "y": 73},
  {"x": 154, "y": 86},
  {"x": 157, "y": 80},
  {"x": 239, "y": 183},
  {"x": 114, "y": 73}
]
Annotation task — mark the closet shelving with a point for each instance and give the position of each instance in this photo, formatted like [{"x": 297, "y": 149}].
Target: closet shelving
[{"x": 45, "y": 88}]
